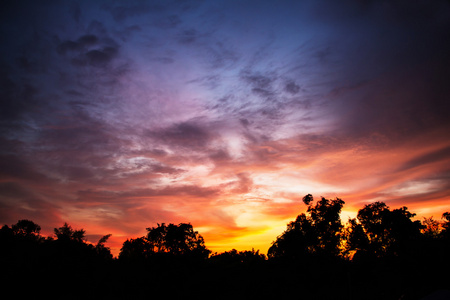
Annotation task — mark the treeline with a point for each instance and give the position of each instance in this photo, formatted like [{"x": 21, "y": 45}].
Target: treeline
[
  {"x": 376, "y": 232},
  {"x": 381, "y": 254}
]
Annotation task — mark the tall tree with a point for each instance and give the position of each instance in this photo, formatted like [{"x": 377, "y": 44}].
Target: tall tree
[
  {"x": 357, "y": 240},
  {"x": 317, "y": 232},
  {"x": 388, "y": 232}
]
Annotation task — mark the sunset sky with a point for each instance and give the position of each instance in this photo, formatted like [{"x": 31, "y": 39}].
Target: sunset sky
[{"x": 118, "y": 115}]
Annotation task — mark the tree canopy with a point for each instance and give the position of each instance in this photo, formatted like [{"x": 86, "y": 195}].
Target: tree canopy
[
  {"x": 176, "y": 240},
  {"x": 318, "y": 232},
  {"x": 379, "y": 231}
]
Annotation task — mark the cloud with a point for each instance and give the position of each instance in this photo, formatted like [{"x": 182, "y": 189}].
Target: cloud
[
  {"x": 436, "y": 156},
  {"x": 17, "y": 101},
  {"x": 17, "y": 167},
  {"x": 81, "y": 44},
  {"x": 133, "y": 9},
  {"x": 292, "y": 88},
  {"x": 20, "y": 200},
  {"x": 89, "y": 50},
  {"x": 189, "y": 134}
]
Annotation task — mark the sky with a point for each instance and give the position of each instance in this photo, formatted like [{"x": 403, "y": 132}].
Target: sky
[{"x": 119, "y": 115}]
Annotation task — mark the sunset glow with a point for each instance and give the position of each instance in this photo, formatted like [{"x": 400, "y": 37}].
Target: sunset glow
[{"x": 118, "y": 115}]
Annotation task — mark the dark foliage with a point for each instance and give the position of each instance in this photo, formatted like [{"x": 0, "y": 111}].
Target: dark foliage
[
  {"x": 380, "y": 232},
  {"x": 166, "y": 243},
  {"x": 381, "y": 254},
  {"x": 63, "y": 266},
  {"x": 234, "y": 257},
  {"x": 317, "y": 233}
]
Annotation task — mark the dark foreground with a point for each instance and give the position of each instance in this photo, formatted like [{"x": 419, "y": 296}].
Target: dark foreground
[
  {"x": 384, "y": 254},
  {"x": 262, "y": 280}
]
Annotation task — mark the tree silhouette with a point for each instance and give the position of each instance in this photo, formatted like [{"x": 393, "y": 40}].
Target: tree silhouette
[
  {"x": 174, "y": 240},
  {"x": 446, "y": 225},
  {"x": 238, "y": 257},
  {"x": 6, "y": 236},
  {"x": 102, "y": 250},
  {"x": 432, "y": 228},
  {"x": 391, "y": 252},
  {"x": 70, "y": 248},
  {"x": 356, "y": 238},
  {"x": 67, "y": 233},
  {"x": 177, "y": 239},
  {"x": 135, "y": 250},
  {"x": 296, "y": 241},
  {"x": 382, "y": 232},
  {"x": 19, "y": 245},
  {"x": 403, "y": 233},
  {"x": 318, "y": 232},
  {"x": 27, "y": 229},
  {"x": 327, "y": 225}
]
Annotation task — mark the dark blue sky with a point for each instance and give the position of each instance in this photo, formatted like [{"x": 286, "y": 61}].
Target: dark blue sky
[{"x": 115, "y": 115}]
